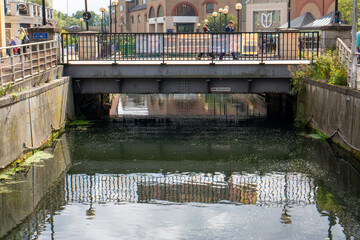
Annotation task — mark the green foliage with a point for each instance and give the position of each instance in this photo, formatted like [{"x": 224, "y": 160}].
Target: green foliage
[
  {"x": 346, "y": 8},
  {"x": 4, "y": 89},
  {"x": 326, "y": 67},
  {"x": 64, "y": 20},
  {"x": 224, "y": 22}
]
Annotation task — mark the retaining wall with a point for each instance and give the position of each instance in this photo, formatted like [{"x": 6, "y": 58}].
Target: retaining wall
[
  {"x": 28, "y": 119},
  {"x": 333, "y": 110}
]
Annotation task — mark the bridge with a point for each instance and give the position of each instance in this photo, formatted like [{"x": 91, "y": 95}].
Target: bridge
[{"x": 148, "y": 63}]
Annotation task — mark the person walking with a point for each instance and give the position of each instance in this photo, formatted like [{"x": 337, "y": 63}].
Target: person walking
[
  {"x": 206, "y": 30},
  {"x": 229, "y": 29},
  {"x": 358, "y": 42},
  {"x": 23, "y": 38}
]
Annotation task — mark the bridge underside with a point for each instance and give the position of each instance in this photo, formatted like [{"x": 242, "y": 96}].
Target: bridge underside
[{"x": 180, "y": 78}]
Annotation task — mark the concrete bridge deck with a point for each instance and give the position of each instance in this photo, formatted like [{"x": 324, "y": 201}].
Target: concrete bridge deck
[{"x": 181, "y": 77}]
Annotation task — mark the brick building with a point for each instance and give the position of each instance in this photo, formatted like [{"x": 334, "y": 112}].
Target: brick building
[
  {"x": 184, "y": 16},
  {"x": 21, "y": 13}
]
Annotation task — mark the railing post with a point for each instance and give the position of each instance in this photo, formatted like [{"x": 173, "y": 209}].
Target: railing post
[
  {"x": 262, "y": 48},
  {"x": 31, "y": 62},
  {"x": 163, "y": 47},
  {"x": 22, "y": 59},
  {"x": 12, "y": 66}
]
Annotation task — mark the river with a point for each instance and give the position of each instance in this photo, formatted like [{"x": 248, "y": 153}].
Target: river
[{"x": 190, "y": 175}]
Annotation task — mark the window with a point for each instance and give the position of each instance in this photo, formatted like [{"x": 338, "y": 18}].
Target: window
[
  {"x": 145, "y": 18},
  {"x": 132, "y": 19},
  {"x": 185, "y": 10},
  {"x": 121, "y": 8},
  {"x": 209, "y": 8},
  {"x": 160, "y": 11},
  {"x": 139, "y": 19},
  {"x": 152, "y": 13}
]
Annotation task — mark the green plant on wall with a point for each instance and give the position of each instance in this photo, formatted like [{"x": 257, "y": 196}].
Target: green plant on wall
[
  {"x": 4, "y": 89},
  {"x": 327, "y": 68}
]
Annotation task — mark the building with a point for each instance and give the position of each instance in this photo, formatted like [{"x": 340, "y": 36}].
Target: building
[
  {"x": 23, "y": 14},
  {"x": 184, "y": 16}
]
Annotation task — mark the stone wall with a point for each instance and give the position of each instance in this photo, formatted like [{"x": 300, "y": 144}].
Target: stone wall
[
  {"x": 29, "y": 118},
  {"x": 38, "y": 189},
  {"x": 333, "y": 110}
]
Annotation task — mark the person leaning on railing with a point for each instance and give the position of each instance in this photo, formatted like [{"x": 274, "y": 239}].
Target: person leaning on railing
[
  {"x": 229, "y": 29},
  {"x": 211, "y": 55}
]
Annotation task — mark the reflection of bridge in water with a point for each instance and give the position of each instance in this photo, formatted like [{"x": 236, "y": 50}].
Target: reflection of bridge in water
[{"x": 276, "y": 189}]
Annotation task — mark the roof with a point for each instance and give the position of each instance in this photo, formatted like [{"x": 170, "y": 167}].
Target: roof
[
  {"x": 300, "y": 21},
  {"x": 137, "y": 8},
  {"x": 323, "y": 21}
]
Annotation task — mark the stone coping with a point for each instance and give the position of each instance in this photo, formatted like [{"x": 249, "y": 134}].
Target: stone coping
[
  {"x": 35, "y": 91},
  {"x": 340, "y": 89}
]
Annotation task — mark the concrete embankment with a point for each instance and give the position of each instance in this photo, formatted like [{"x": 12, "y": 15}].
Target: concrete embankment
[
  {"x": 28, "y": 118},
  {"x": 333, "y": 110}
]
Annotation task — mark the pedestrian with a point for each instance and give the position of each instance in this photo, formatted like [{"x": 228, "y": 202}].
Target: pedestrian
[
  {"x": 211, "y": 55},
  {"x": 8, "y": 45},
  {"x": 13, "y": 43},
  {"x": 229, "y": 29},
  {"x": 23, "y": 38},
  {"x": 358, "y": 42}
]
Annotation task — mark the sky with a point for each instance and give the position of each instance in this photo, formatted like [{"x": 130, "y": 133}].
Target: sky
[{"x": 75, "y": 5}]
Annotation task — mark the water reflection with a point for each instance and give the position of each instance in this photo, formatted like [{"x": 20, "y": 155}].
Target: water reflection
[
  {"x": 273, "y": 190},
  {"x": 190, "y": 105},
  {"x": 246, "y": 182}
]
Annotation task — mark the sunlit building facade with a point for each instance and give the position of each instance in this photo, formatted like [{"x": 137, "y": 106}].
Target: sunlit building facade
[
  {"x": 185, "y": 16},
  {"x": 23, "y": 14}
]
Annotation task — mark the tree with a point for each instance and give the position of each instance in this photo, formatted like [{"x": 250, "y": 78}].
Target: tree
[
  {"x": 221, "y": 28},
  {"x": 346, "y": 8},
  {"x": 94, "y": 21}
]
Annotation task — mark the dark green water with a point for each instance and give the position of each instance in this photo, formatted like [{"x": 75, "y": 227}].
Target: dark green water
[{"x": 191, "y": 179}]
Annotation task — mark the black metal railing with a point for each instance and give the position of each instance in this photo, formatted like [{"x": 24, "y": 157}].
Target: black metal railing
[{"x": 260, "y": 46}]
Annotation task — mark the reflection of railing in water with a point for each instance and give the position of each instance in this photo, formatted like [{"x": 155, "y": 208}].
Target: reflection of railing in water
[{"x": 269, "y": 189}]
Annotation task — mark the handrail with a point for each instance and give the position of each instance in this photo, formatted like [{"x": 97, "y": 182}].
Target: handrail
[
  {"x": 25, "y": 60},
  {"x": 166, "y": 47},
  {"x": 28, "y": 45}
]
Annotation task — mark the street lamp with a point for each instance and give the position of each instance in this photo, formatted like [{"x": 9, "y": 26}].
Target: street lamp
[
  {"x": 81, "y": 22},
  {"x": 220, "y": 12},
  {"x": 103, "y": 12},
  {"x": 238, "y": 8},
  {"x": 115, "y": 3},
  {"x": 101, "y": 21},
  {"x": 214, "y": 14},
  {"x": 225, "y": 12}
]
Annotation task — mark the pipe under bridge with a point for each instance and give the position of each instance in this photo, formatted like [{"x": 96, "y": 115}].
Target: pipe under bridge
[{"x": 149, "y": 63}]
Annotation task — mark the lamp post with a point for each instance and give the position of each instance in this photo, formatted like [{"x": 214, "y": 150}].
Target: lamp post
[
  {"x": 115, "y": 3},
  {"x": 226, "y": 11},
  {"x": 110, "y": 17},
  {"x": 238, "y": 8},
  {"x": 214, "y": 14},
  {"x": 44, "y": 12},
  {"x": 81, "y": 23},
  {"x": 220, "y": 12},
  {"x": 103, "y": 22}
]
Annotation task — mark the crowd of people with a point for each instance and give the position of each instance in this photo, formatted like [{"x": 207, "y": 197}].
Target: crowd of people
[{"x": 23, "y": 38}]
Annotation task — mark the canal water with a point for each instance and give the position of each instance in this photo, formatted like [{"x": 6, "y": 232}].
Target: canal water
[{"x": 187, "y": 177}]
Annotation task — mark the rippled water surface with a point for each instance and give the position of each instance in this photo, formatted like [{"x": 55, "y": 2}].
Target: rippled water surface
[{"x": 184, "y": 180}]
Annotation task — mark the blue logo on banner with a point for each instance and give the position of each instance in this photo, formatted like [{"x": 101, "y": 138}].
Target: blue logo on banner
[{"x": 40, "y": 36}]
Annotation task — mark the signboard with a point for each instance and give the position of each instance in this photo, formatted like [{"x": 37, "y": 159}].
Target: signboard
[
  {"x": 41, "y": 36},
  {"x": 220, "y": 89}
]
